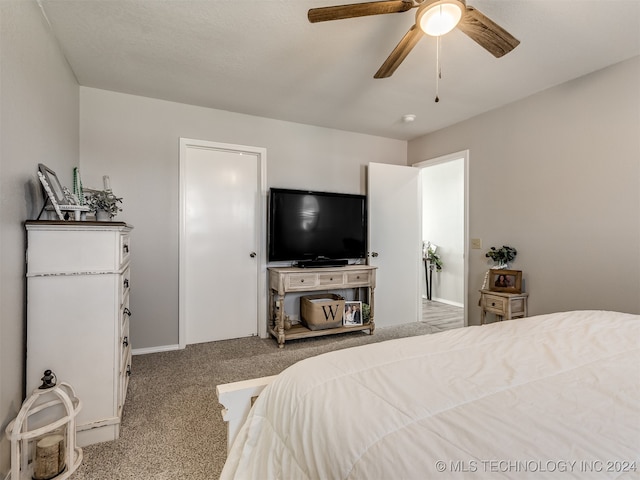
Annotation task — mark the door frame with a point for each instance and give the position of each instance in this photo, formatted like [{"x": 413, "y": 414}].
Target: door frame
[
  {"x": 261, "y": 229},
  {"x": 464, "y": 154}
]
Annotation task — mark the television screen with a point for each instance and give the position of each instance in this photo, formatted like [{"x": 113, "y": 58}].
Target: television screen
[{"x": 316, "y": 225}]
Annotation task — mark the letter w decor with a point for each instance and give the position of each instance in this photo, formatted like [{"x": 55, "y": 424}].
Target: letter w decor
[
  {"x": 331, "y": 312},
  {"x": 321, "y": 311}
]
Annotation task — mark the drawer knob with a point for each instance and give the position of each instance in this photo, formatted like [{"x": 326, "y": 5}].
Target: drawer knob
[
  {"x": 331, "y": 279},
  {"x": 126, "y": 311},
  {"x": 126, "y": 283},
  {"x": 125, "y": 341},
  {"x": 128, "y": 370},
  {"x": 357, "y": 277},
  {"x": 125, "y": 248},
  {"x": 302, "y": 281},
  {"x": 493, "y": 304}
]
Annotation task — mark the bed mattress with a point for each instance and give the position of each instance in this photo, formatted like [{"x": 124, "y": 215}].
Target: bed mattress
[{"x": 548, "y": 396}]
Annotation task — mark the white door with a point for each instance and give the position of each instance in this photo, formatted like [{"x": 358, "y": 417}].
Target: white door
[
  {"x": 220, "y": 246},
  {"x": 395, "y": 243}
]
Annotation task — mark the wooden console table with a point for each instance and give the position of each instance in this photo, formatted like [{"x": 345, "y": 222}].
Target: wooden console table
[{"x": 283, "y": 280}]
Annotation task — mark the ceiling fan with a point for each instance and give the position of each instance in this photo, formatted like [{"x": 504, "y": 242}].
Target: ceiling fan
[{"x": 433, "y": 17}]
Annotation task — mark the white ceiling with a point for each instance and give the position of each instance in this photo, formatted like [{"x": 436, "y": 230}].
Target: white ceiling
[{"x": 264, "y": 58}]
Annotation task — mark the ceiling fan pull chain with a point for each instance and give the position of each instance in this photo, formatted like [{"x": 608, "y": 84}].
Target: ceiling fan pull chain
[{"x": 438, "y": 70}]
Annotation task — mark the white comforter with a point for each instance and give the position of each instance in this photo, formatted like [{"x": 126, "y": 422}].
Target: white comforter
[{"x": 552, "y": 396}]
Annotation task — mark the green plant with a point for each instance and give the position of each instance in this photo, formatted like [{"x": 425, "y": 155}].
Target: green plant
[
  {"x": 434, "y": 259},
  {"x": 502, "y": 255},
  {"x": 366, "y": 312},
  {"x": 104, "y": 200}
]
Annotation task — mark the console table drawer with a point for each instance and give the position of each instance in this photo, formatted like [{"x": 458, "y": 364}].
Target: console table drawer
[
  {"x": 301, "y": 281},
  {"x": 330, "y": 279},
  {"x": 358, "y": 278}
]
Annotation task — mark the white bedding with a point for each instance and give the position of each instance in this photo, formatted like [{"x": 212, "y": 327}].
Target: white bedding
[{"x": 551, "y": 396}]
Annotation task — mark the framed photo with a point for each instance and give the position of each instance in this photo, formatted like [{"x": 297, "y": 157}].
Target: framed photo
[
  {"x": 60, "y": 197},
  {"x": 352, "y": 313},
  {"x": 51, "y": 195},
  {"x": 55, "y": 192},
  {"x": 509, "y": 281}
]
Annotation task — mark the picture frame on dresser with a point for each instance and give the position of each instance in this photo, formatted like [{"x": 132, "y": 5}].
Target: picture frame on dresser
[
  {"x": 55, "y": 191},
  {"x": 61, "y": 199},
  {"x": 508, "y": 281}
]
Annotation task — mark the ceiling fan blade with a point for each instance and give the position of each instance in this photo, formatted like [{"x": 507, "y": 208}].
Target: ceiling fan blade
[
  {"x": 487, "y": 33},
  {"x": 339, "y": 12},
  {"x": 399, "y": 53}
]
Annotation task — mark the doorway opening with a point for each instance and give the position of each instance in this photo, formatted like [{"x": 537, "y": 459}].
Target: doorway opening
[{"x": 444, "y": 198}]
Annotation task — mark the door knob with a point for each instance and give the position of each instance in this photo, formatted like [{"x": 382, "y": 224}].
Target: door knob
[
  {"x": 252, "y": 254},
  {"x": 374, "y": 254}
]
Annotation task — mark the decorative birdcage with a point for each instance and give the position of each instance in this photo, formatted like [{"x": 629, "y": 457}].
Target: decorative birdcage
[{"x": 43, "y": 435}]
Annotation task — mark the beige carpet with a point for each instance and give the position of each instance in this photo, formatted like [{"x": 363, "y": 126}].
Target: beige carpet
[{"x": 172, "y": 427}]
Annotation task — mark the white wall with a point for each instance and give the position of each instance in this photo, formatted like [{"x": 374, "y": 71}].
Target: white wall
[
  {"x": 135, "y": 141},
  {"x": 443, "y": 225},
  {"x": 39, "y": 102},
  {"x": 557, "y": 175}
]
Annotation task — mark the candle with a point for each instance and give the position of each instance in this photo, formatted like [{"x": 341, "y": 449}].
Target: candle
[
  {"x": 107, "y": 183},
  {"x": 49, "y": 460}
]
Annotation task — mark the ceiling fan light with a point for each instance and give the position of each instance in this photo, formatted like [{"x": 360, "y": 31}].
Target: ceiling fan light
[{"x": 441, "y": 18}]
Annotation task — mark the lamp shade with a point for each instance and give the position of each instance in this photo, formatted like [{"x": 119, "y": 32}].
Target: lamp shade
[{"x": 441, "y": 17}]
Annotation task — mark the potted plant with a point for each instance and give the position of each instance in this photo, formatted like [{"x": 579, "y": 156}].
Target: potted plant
[
  {"x": 434, "y": 260},
  {"x": 502, "y": 256},
  {"x": 366, "y": 312},
  {"x": 103, "y": 203}
]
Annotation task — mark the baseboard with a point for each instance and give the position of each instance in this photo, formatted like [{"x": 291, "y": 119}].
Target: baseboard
[
  {"x": 448, "y": 302},
  {"x": 161, "y": 348}
]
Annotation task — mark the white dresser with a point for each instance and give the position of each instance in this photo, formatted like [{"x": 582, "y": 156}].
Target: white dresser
[{"x": 78, "y": 283}]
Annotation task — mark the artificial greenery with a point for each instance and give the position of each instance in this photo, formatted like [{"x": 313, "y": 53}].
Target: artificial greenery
[
  {"x": 104, "y": 200},
  {"x": 366, "y": 312},
  {"x": 502, "y": 255},
  {"x": 434, "y": 259}
]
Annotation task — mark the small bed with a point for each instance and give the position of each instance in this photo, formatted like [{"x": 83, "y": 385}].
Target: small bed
[{"x": 553, "y": 395}]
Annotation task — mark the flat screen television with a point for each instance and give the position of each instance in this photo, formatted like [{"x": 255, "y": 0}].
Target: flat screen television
[{"x": 314, "y": 228}]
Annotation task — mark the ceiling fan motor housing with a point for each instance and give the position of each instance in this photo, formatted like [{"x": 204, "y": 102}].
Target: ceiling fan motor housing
[{"x": 438, "y": 17}]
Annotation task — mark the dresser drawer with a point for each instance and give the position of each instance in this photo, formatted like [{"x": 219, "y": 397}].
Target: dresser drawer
[
  {"x": 123, "y": 381},
  {"x": 73, "y": 248},
  {"x": 301, "y": 281},
  {"x": 125, "y": 313},
  {"x": 495, "y": 304},
  {"x": 125, "y": 344},
  {"x": 125, "y": 248},
  {"x": 125, "y": 284}
]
